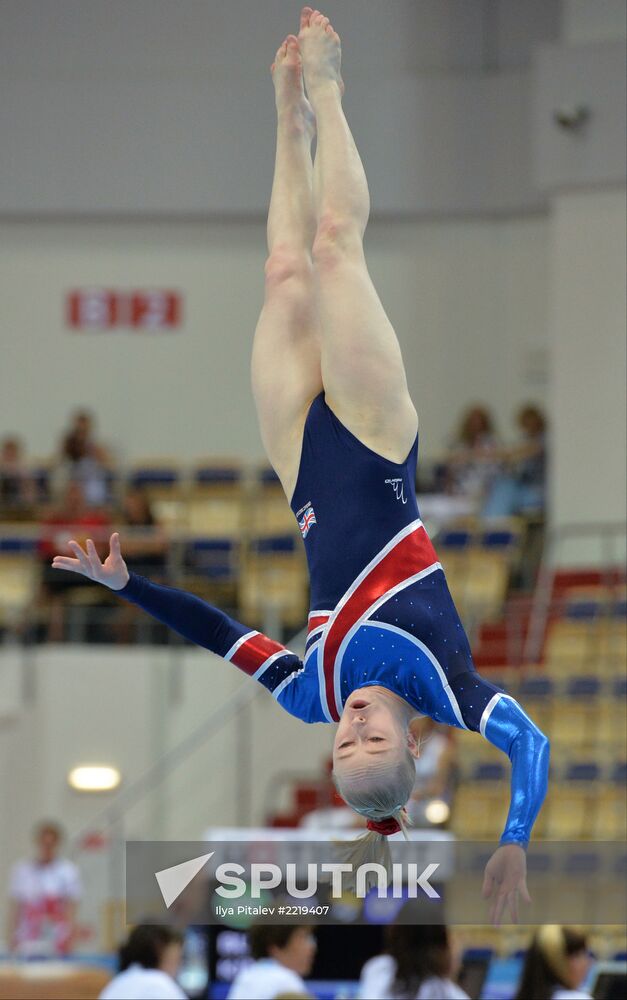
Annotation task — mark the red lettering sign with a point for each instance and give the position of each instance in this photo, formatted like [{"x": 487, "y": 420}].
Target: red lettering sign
[{"x": 102, "y": 309}]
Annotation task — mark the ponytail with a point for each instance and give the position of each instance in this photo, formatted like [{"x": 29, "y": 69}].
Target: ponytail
[{"x": 371, "y": 848}]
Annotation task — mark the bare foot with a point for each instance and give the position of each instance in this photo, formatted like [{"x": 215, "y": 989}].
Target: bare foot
[
  {"x": 287, "y": 76},
  {"x": 321, "y": 50}
]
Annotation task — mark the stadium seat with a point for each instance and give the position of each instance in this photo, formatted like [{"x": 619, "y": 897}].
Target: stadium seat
[
  {"x": 269, "y": 512},
  {"x": 568, "y": 812},
  {"x": 19, "y": 573},
  {"x": 574, "y": 724},
  {"x": 274, "y": 584},
  {"x": 569, "y": 644},
  {"x": 157, "y": 476},
  {"x": 480, "y": 810},
  {"x": 609, "y": 819}
]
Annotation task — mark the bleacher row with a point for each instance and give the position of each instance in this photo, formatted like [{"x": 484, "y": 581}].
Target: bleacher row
[{"x": 232, "y": 539}]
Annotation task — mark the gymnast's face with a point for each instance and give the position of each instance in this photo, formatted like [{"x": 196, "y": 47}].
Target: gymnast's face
[{"x": 372, "y": 732}]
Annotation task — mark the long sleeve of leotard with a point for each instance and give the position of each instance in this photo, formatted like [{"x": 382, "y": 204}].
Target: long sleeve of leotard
[
  {"x": 262, "y": 658},
  {"x": 500, "y": 719},
  {"x": 510, "y": 729}
]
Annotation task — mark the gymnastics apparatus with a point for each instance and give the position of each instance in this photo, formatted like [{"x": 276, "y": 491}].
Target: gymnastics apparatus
[{"x": 385, "y": 642}]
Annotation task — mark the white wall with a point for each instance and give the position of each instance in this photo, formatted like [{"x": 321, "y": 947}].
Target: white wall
[
  {"x": 468, "y": 300},
  {"x": 583, "y": 21},
  {"x": 161, "y": 108},
  {"x": 126, "y": 708},
  {"x": 587, "y": 337}
]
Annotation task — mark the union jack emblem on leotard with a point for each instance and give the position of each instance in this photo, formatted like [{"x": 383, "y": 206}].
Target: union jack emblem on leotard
[
  {"x": 406, "y": 558},
  {"x": 305, "y": 522}
]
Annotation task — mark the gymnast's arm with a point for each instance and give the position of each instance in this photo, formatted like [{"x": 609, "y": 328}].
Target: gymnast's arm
[
  {"x": 510, "y": 729},
  {"x": 501, "y": 720},
  {"x": 254, "y": 653}
]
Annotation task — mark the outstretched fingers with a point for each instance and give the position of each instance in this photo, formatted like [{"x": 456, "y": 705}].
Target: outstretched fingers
[
  {"x": 80, "y": 564},
  {"x": 94, "y": 558},
  {"x": 64, "y": 562}
]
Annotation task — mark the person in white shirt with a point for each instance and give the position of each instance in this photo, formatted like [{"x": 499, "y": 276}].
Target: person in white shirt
[
  {"x": 418, "y": 964},
  {"x": 149, "y": 962},
  {"x": 43, "y": 899},
  {"x": 434, "y": 768},
  {"x": 556, "y": 963},
  {"x": 282, "y": 955}
]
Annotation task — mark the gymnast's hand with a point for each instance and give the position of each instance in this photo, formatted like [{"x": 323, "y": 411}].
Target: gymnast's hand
[
  {"x": 112, "y": 572},
  {"x": 506, "y": 876}
]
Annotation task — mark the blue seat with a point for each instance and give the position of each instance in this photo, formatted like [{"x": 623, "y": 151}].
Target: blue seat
[
  {"x": 498, "y": 538},
  {"x": 153, "y": 477},
  {"x": 539, "y": 862},
  {"x": 583, "y": 687},
  {"x": 582, "y": 863},
  {"x": 214, "y": 558},
  {"x": 582, "y": 610},
  {"x": 489, "y": 771},
  {"x": 455, "y": 538},
  {"x": 210, "y": 475},
  {"x": 274, "y": 544},
  {"x": 583, "y": 771},
  {"x": 619, "y": 773},
  {"x": 268, "y": 477},
  {"x": 537, "y": 687},
  {"x": 619, "y": 688},
  {"x": 17, "y": 544}
]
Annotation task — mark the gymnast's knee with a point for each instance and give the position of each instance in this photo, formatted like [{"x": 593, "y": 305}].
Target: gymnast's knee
[
  {"x": 338, "y": 239},
  {"x": 287, "y": 271}
]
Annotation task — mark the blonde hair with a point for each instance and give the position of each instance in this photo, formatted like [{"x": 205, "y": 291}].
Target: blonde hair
[
  {"x": 552, "y": 944},
  {"x": 379, "y": 795}
]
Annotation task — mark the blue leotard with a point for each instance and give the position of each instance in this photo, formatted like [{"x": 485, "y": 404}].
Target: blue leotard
[{"x": 381, "y": 612}]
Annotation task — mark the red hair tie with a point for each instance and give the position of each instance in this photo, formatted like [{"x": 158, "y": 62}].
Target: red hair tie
[{"x": 386, "y": 826}]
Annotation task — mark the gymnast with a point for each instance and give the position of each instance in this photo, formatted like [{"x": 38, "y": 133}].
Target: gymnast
[{"x": 385, "y": 643}]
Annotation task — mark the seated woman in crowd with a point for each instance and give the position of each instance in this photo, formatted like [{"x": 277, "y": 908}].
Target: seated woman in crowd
[
  {"x": 82, "y": 458},
  {"x": 146, "y": 547},
  {"x": 283, "y": 955},
  {"x": 520, "y": 487},
  {"x": 71, "y": 517},
  {"x": 556, "y": 963},
  {"x": 419, "y": 962},
  {"x": 473, "y": 460},
  {"x": 17, "y": 486},
  {"x": 149, "y": 962},
  {"x": 435, "y": 768}
]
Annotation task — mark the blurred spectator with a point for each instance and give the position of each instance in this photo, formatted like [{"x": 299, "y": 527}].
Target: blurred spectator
[
  {"x": 43, "y": 898},
  {"x": 556, "y": 963},
  {"x": 282, "y": 956},
  {"x": 435, "y": 768},
  {"x": 72, "y": 519},
  {"x": 82, "y": 458},
  {"x": 473, "y": 460},
  {"x": 149, "y": 962},
  {"x": 418, "y": 962},
  {"x": 145, "y": 552},
  {"x": 17, "y": 487},
  {"x": 146, "y": 544},
  {"x": 520, "y": 488}
]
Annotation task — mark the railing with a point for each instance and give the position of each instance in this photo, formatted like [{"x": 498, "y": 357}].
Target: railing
[{"x": 607, "y": 535}]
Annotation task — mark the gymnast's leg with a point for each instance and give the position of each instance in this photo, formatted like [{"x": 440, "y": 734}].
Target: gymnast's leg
[
  {"x": 362, "y": 367},
  {"x": 286, "y": 351}
]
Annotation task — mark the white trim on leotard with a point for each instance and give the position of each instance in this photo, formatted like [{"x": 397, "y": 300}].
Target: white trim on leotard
[{"x": 240, "y": 642}]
